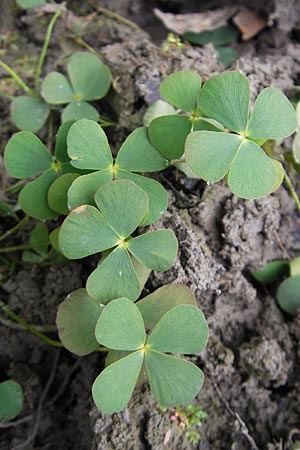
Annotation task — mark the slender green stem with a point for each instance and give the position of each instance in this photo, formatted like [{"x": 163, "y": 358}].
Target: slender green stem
[
  {"x": 103, "y": 349},
  {"x": 44, "y": 49},
  {"x": 14, "y": 187},
  {"x": 106, "y": 123},
  {"x": 28, "y": 326},
  {"x": 17, "y": 79},
  {"x": 14, "y": 229},
  {"x": 16, "y": 326},
  {"x": 15, "y": 248},
  {"x": 84, "y": 44},
  {"x": 291, "y": 189}
]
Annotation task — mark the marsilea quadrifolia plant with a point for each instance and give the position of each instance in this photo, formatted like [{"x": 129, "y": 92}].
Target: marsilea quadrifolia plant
[{"x": 110, "y": 199}]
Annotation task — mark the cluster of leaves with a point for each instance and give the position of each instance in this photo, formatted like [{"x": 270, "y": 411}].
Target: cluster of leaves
[
  {"x": 218, "y": 136},
  {"x": 90, "y": 79},
  {"x": 138, "y": 336},
  {"x": 12, "y": 399},
  {"x": 288, "y": 293}
]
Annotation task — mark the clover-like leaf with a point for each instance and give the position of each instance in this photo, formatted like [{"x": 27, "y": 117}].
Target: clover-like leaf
[
  {"x": 155, "y": 249},
  {"x": 157, "y": 109},
  {"x": 168, "y": 134},
  {"x": 182, "y": 329},
  {"x": 12, "y": 399},
  {"x": 61, "y": 153},
  {"x": 155, "y": 305},
  {"x": 79, "y": 110},
  {"x": 25, "y": 155},
  {"x": 211, "y": 155},
  {"x": 226, "y": 99},
  {"x": 83, "y": 189},
  {"x": 113, "y": 388},
  {"x": 158, "y": 197},
  {"x": 89, "y": 77},
  {"x": 29, "y": 113},
  {"x": 181, "y": 89},
  {"x": 121, "y": 326},
  {"x": 84, "y": 232},
  {"x": 273, "y": 116},
  {"x": 173, "y": 381},
  {"x": 88, "y": 146},
  {"x": 123, "y": 204},
  {"x": 137, "y": 154},
  {"x": 76, "y": 320},
  {"x": 114, "y": 277},
  {"x": 56, "y": 89},
  {"x": 288, "y": 295},
  {"x": 33, "y": 198}
]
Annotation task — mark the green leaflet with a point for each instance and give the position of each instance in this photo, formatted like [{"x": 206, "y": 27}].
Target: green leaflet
[
  {"x": 12, "y": 399},
  {"x": 76, "y": 320},
  {"x": 181, "y": 89}
]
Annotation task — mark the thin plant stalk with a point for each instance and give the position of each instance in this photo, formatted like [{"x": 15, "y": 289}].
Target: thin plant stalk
[
  {"x": 45, "y": 48},
  {"x": 14, "y": 229},
  {"x": 15, "y": 248},
  {"x": 17, "y": 79},
  {"x": 292, "y": 190},
  {"x": 113, "y": 15}
]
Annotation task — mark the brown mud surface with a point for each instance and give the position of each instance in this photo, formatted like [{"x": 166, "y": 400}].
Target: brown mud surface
[{"x": 252, "y": 362}]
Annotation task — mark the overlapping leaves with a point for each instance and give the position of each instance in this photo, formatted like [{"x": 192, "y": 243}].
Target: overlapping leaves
[
  {"x": 88, "y": 148},
  {"x": 121, "y": 208},
  {"x": 26, "y": 156},
  {"x": 173, "y": 381},
  {"x": 250, "y": 173},
  {"x": 89, "y": 79}
]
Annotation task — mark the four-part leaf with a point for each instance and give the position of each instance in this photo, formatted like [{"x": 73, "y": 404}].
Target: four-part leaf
[
  {"x": 122, "y": 205},
  {"x": 173, "y": 381},
  {"x": 89, "y": 80}
]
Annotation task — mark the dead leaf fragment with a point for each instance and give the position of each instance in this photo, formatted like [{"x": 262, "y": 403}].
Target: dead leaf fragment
[
  {"x": 195, "y": 22},
  {"x": 249, "y": 23}
]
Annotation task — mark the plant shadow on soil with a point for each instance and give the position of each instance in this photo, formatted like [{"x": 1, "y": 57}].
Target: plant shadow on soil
[{"x": 253, "y": 356}]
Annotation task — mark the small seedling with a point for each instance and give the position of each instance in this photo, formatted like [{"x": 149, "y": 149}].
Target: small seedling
[
  {"x": 189, "y": 419},
  {"x": 88, "y": 149},
  {"x": 217, "y": 137},
  {"x": 11, "y": 400},
  {"x": 288, "y": 294},
  {"x": 89, "y": 79},
  {"x": 121, "y": 208},
  {"x": 171, "y": 42},
  {"x": 25, "y": 156}
]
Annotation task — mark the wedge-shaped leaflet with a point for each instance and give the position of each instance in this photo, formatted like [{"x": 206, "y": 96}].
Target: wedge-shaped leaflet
[
  {"x": 182, "y": 329},
  {"x": 123, "y": 204},
  {"x": 173, "y": 381},
  {"x": 78, "y": 110},
  {"x": 155, "y": 249},
  {"x": 56, "y": 89},
  {"x": 29, "y": 113},
  {"x": 25, "y": 155},
  {"x": 113, "y": 388},
  {"x": 155, "y": 305},
  {"x": 88, "y": 146},
  {"x": 89, "y": 77},
  {"x": 113, "y": 277},
  {"x": 137, "y": 154},
  {"x": 181, "y": 89},
  {"x": 84, "y": 232},
  {"x": 168, "y": 134},
  {"x": 121, "y": 326},
  {"x": 273, "y": 116},
  {"x": 82, "y": 190},
  {"x": 252, "y": 174},
  {"x": 157, "y": 109},
  {"x": 11, "y": 403},
  {"x": 158, "y": 197},
  {"x": 76, "y": 321},
  {"x": 57, "y": 193},
  {"x": 33, "y": 198},
  {"x": 288, "y": 295},
  {"x": 271, "y": 272},
  {"x": 39, "y": 240},
  {"x": 211, "y": 155},
  {"x": 226, "y": 99}
]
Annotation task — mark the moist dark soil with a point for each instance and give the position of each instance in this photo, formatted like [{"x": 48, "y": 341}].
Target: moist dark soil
[{"x": 252, "y": 362}]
